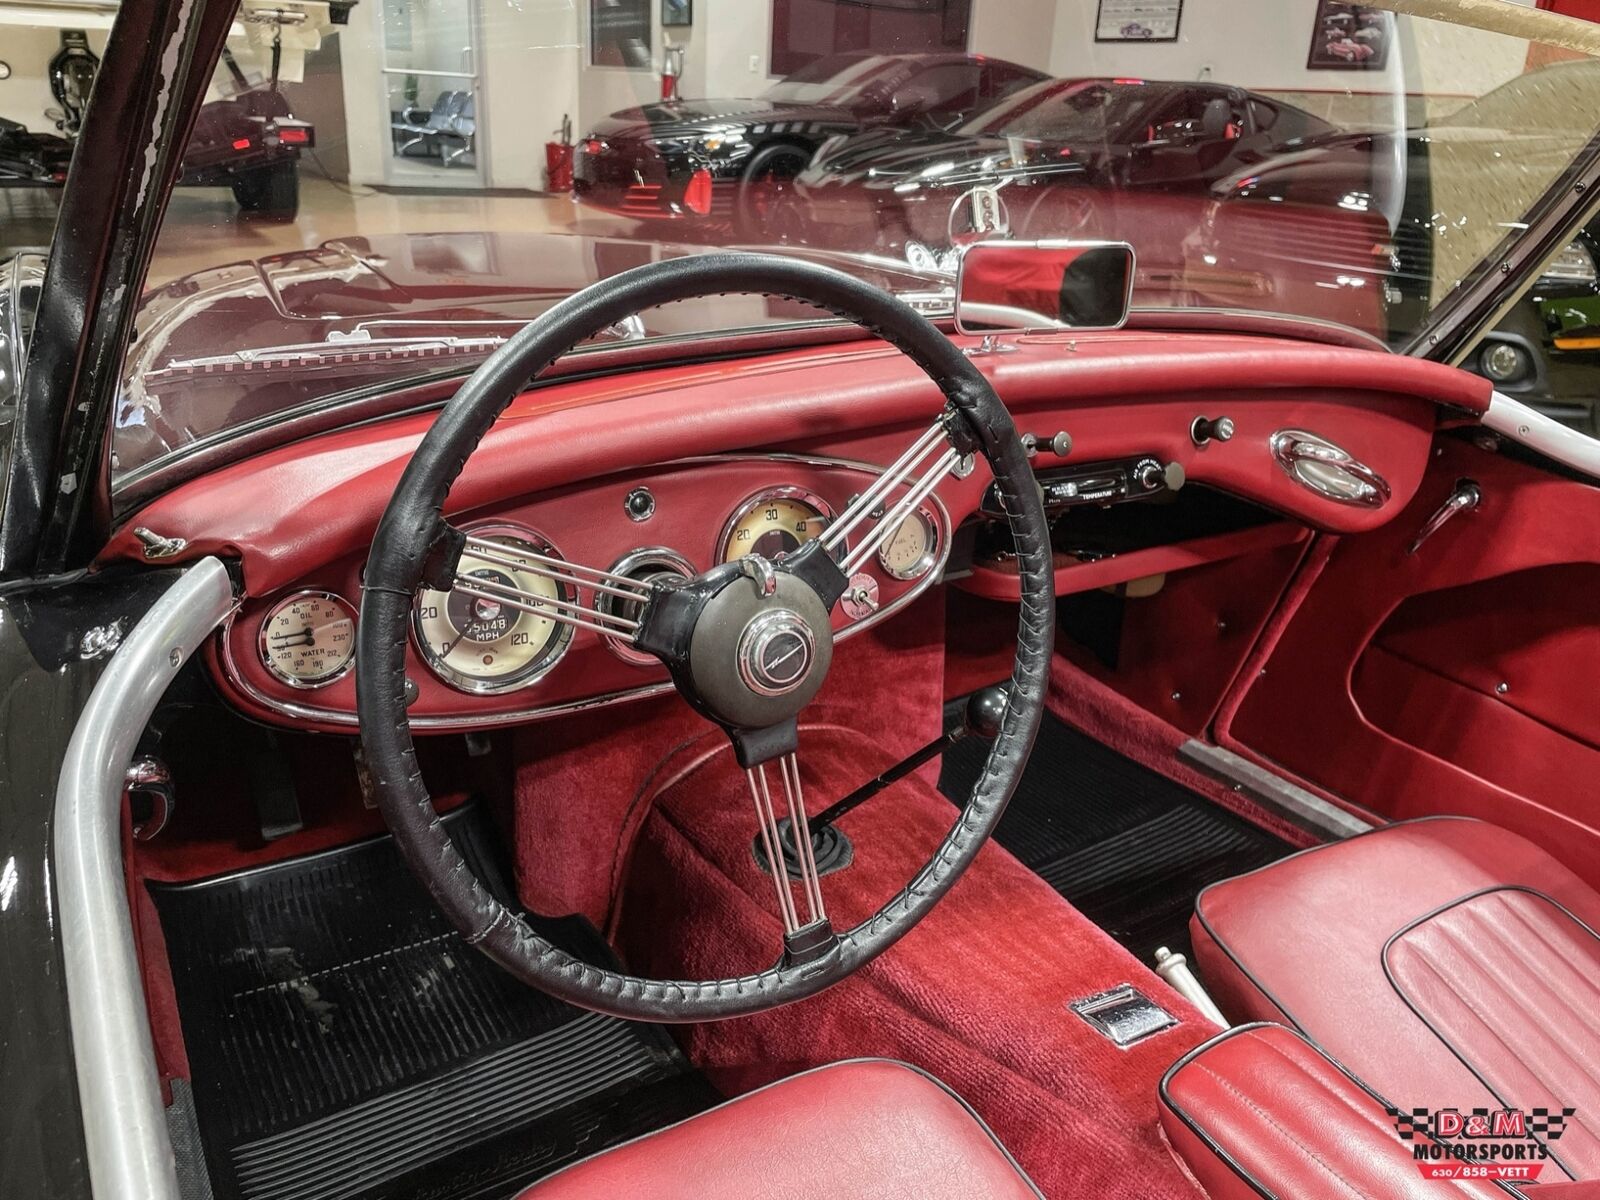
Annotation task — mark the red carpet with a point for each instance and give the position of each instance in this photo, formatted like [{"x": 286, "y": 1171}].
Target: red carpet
[{"x": 977, "y": 994}]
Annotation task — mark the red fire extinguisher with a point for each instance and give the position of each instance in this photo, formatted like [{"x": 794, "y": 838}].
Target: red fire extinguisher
[
  {"x": 671, "y": 72},
  {"x": 558, "y": 158}
]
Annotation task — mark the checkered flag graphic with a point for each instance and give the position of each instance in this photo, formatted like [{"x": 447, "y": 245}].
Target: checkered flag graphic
[
  {"x": 1547, "y": 1124},
  {"x": 1408, "y": 1123}
]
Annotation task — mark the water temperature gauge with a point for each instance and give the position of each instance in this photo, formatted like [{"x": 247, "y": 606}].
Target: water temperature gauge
[{"x": 309, "y": 640}]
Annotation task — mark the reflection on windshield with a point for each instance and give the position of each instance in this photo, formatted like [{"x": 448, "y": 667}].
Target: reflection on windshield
[
  {"x": 411, "y": 185},
  {"x": 1065, "y": 109}
]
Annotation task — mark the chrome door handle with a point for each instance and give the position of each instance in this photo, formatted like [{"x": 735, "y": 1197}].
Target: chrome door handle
[
  {"x": 1328, "y": 469},
  {"x": 1465, "y": 498}
]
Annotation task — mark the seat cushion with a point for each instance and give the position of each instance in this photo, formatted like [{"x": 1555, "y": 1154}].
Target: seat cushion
[
  {"x": 849, "y": 1131},
  {"x": 1446, "y": 962},
  {"x": 1259, "y": 1111}
]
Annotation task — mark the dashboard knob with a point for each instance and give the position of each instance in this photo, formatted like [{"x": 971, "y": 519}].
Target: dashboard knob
[
  {"x": 1059, "y": 444},
  {"x": 1211, "y": 429},
  {"x": 1148, "y": 475}
]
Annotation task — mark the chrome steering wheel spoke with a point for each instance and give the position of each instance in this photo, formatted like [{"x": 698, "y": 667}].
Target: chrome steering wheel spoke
[
  {"x": 811, "y": 937},
  {"x": 572, "y": 578},
  {"x": 933, "y": 457}
]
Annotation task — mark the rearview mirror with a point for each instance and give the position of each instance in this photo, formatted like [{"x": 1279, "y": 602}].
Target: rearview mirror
[{"x": 1018, "y": 287}]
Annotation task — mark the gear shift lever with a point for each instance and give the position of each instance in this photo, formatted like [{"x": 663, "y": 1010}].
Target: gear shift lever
[{"x": 982, "y": 715}]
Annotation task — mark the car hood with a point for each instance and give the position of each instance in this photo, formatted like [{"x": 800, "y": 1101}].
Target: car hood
[
  {"x": 896, "y": 158},
  {"x": 249, "y": 341},
  {"x": 679, "y": 117}
]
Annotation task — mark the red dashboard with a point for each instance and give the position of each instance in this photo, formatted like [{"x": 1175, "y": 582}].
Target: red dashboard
[{"x": 670, "y": 459}]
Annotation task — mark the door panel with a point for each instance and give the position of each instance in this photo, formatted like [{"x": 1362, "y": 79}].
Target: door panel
[{"x": 1385, "y": 688}]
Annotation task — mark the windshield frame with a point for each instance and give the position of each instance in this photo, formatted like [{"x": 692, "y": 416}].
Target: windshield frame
[{"x": 153, "y": 76}]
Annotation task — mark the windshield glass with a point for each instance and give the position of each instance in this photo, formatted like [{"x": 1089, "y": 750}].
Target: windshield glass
[
  {"x": 1067, "y": 110},
  {"x": 382, "y": 191}
]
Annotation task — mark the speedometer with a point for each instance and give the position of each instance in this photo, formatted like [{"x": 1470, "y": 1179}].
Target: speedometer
[
  {"x": 487, "y": 635},
  {"x": 773, "y": 523}
]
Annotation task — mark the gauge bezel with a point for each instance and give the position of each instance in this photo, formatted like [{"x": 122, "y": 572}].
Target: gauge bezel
[
  {"x": 628, "y": 563},
  {"x": 930, "y": 556},
  {"x": 753, "y": 501},
  {"x": 301, "y": 685},
  {"x": 560, "y": 643}
]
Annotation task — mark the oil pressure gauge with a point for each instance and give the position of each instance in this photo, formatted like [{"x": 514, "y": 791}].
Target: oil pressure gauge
[{"x": 309, "y": 640}]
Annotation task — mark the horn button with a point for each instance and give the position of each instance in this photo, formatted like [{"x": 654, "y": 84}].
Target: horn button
[{"x": 760, "y": 650}]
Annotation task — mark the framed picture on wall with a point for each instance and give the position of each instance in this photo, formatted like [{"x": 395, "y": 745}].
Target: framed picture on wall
[
  {"x": 1138, "y": 20},
  {"x": 1350, "y": 37},
  {"x": 677, "y": 12}
]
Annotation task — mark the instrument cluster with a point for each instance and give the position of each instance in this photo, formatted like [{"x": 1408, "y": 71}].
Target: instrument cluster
[{"x": 547, "y": 593}]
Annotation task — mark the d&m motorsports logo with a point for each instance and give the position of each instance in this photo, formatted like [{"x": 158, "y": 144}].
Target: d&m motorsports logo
[{"x": 1481, "y": 1143}]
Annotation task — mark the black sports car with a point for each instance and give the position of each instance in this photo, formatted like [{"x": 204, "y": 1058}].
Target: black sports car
[{"x": 732, "y": 158}]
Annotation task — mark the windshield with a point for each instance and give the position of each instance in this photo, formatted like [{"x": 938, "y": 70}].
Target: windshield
[
  {"x": 380, "y": 192},
  {"x": 1067, "y": 110},
  {"x": 844, "y": 80}
]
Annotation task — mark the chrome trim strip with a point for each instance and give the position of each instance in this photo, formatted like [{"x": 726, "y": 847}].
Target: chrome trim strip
[
  {"x": 1288, "y": 800},
  {"x": 328, "y": 716},
  {"x": 1528, "y": 427},
  {"x": 124, "y": 1126}
]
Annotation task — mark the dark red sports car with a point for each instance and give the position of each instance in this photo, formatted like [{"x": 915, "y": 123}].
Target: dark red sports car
[{"x": 732, "y": 158}]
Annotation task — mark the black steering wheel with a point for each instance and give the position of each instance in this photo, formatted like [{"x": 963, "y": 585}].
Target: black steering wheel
[{"x": 747, "y": 643}]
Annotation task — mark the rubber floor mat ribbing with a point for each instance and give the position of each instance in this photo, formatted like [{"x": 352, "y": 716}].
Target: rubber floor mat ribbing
[
  {"x": 1129, "y": 848},
  {"x": 344, "y": 1041}
]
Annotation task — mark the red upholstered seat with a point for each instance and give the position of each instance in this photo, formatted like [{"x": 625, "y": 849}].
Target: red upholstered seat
[
  {"x": 851, "y": 1131},
  {"x": 1260, "y": 1112},
  {"x": 1445, "y": 962}
]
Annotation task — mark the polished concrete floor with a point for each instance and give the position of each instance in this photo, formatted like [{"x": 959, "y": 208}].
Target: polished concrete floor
[{"x": 204, "y": 227}]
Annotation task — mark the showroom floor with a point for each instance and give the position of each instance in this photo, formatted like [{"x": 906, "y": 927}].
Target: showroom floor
[{"x": 205, "y": 229}]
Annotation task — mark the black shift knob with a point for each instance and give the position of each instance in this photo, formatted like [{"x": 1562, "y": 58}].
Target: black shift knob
[{"x": 985, "y": 709}]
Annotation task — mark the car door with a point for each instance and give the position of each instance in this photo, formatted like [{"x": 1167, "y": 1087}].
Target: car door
[
  {"x": 1186, "y": 142},
  {"x": 1447, "y": 663}
]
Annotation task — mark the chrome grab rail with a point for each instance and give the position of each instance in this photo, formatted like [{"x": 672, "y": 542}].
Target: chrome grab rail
[{"x": 124, "y": 1124}]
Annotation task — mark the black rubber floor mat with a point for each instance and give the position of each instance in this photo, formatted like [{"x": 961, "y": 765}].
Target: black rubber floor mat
[
  {"x": 344, "y": 1041},
  {"x": 1127, "y": 847}
]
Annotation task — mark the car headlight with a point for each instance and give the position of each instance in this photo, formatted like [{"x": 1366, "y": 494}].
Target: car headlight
[
  {"x": 1574, "y": 265},
  {"x": 1503, "y": 362}
]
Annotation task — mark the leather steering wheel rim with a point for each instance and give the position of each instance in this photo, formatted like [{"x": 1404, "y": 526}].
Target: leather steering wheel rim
[{"x": 413, "y": 525}]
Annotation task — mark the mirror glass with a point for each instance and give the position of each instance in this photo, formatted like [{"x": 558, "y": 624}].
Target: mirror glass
[{"x": 1014, "y": 287}]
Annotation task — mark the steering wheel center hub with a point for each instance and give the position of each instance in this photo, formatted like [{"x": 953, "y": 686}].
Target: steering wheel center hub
[
  {"x": 776, "y": 651},
  {"x": 760, "y": 649}
]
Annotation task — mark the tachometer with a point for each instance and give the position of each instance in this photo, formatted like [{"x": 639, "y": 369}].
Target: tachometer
[
  {"x": 476, "y": 639},
  {"x": 774, "y": 522},
  {"x": 309, "y": 640}
]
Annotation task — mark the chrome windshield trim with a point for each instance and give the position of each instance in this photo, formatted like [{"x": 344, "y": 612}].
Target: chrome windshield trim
[{"x": 124, "y": 1124}]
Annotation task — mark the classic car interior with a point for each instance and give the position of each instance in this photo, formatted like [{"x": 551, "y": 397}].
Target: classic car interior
[
  {"x": 1004, "y": 738},
  {"x": 1229, "y": 522}
]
